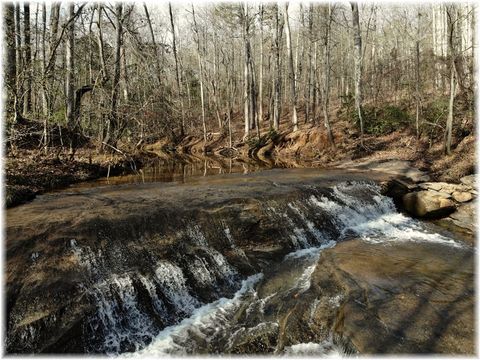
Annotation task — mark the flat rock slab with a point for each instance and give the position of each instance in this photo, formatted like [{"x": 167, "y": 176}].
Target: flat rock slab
[
  {"x": 403, "y": 297},
  {"x": 445, "y": 187},
  {"x": 401, "y": 168}
]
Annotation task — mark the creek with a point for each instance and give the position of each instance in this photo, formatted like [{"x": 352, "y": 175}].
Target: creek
[{"x": 226, "y": 264}]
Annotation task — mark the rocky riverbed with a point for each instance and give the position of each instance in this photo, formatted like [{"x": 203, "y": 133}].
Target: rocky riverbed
[{"x": 280, "y": 261}]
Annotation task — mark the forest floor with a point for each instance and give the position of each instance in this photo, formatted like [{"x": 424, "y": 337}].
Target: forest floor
[{"x": 30, "y": 172}]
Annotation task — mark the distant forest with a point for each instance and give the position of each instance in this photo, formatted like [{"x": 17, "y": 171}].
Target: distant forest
[{"x": 125, "y": 73}]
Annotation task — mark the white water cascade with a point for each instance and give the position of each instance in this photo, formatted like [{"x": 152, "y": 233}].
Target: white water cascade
[{"x": 159, "y": 313}]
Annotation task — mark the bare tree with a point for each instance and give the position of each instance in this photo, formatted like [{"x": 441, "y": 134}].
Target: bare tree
[
  {"x": 70, "y": 67},
  {"x": 277, "y": 69},
  {"x": 177, "y": 72},
  {"x": 451, "y": 21},
  {"x": 10, "y": 70},
  {"x": 111, "y": 138},
  {"x": 200, "y": 75},
  {"x": 27, "y": 104},
  {"x": 260, "y": 76},
  {"x": 154, "y": 43},
  {"x": 292, "y": 69},
  {"x": 357, "y": 43},
  {"x": 417, "y": 77},
  {"x": 326, "y": 71}
]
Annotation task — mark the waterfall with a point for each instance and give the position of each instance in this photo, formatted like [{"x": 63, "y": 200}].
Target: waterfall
[{"x": 159, "y": 310}]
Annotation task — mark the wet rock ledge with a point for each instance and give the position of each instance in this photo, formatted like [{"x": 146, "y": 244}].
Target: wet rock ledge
[{"x": 405, "y": 298}]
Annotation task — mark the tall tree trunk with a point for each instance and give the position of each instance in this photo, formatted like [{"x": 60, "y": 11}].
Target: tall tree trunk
[
  {"x": 291, "y": 68},
  {"x": 101, "y": 49},
  {"x": 27, "y": 104},
  {"x": 278, "y": 71},
  {"x": 43, "y": 63},
  {"x": 10, "y": 69},
  {"x": 260, "y": 79},
  {"x": 357, "y": 43},
  {"x": 200, "y": 68},
  {"x": 326, "y": 71},
  {"x": 44, "y": 90},
  {"x": 152, "y": 35},
  {"x": 112, "y": 137},
  {"x": 53, "y": 33},
  {"x": 417, "y": 77},
  {"x": 177, "y": 72},
  {"x": 70, "y": 67},
  {"x": 18, "y": 104},
  {"x": 246, "y": 79},
  {"x": 310, "y": 65},
  {"x": 451, "y": 21},
  {"x": 70, "y": 78}
]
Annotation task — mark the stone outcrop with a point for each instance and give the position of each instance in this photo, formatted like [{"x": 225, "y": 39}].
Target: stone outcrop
[{"x": 441, "y": 199}]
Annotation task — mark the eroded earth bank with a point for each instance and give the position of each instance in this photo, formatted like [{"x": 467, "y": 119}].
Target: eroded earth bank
[{"x": 301, "y": 261}]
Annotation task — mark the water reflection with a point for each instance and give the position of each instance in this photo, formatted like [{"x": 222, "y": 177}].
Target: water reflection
[{"x": 185, "y": 168}]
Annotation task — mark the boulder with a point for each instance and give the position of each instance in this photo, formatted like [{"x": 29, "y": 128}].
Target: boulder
[
  {"x": 468, "y": 180},
  {"x": 428, "y": 204},
  {"x": 461, "y": 196}
]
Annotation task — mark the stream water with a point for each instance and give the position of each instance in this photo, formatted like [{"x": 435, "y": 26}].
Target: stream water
[
  {"x": 161, "y": 312},
  {"x": 190, "y": 168}
]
